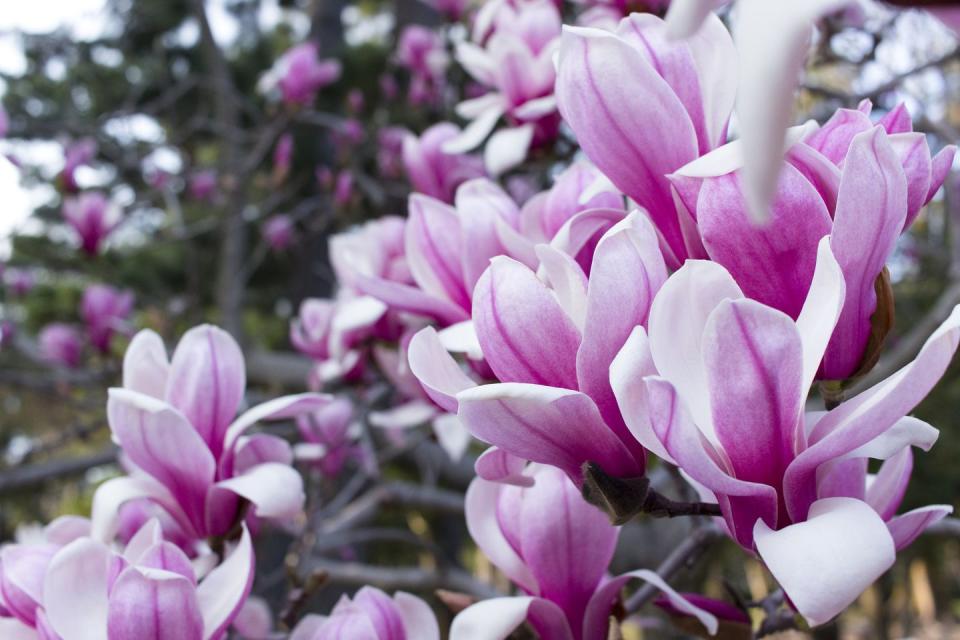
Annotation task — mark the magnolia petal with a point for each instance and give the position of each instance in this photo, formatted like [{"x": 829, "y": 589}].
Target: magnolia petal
[
  {"x": 432, "y": 249},
  {"x": 438, "y": 373},
  {"x": 480, "y": 506},
  {"x": 885, "y": 490},
  {"x": 145, "y": 364},
  {"x": 827, "y": 561},
  {"x": 404, "y": 297},
  {"x": 496, "y": 465},
  {"x": 224, "y": 590},
  {"x": 507, "y": 148},
  {"x": 685, "y": 17},
  {"x": 282, "y": 408},
  {"x": 462, "y": 338},
  {"x": 477, "y": 63},
  {"x": 418, "y": 618},
  {"x": 599, "y": 608},
  {"x": 453, "y": 437},
  {"x": 207, "y": 381},
  {"x": 523, "y": 331},
  {"x": 567, "y": 280},
  {"x": 907, "y": 527},
  {"x": 114, "y": 493},
  {"x": 820, "y": 311},
  {"x": 715, "y": 57},
  {"x": 939, "y": 169},
  {"x": 477, "y": 131},
  {"x": 554, "y": 426},
  {"x": 496, "y": 619},
  {"x": 13, "y": 629},
  {"x": 159, "y": 605},
  {"x": 404, "y": 416},
  {"x": 274, "y": 489},
  {"x": 75, "y": 591}
]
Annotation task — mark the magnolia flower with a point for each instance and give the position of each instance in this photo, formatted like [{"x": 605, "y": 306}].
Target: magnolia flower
[
  {"x": 718, "y": 388},
  {"x": 422, "y": 51},
  {"x": 343, "y": 188},
  {"x": 300, "y": 73},
  {"x": 330, "y": 436},
  {"x": 556, "y": 548},
  {"x": 551, "y": 348},
  {"x": 355, "y": 100},
  {"x": 516, "y": 64},
  {"x": 23, "y": 567},
  {"x": 863, "y": 184},
  {"x": 93, "y": 217},
  {"x": 390, "y": 141},
  {"x": 19, "y": 281},
  {"x": 433, "y": 172},
  {"x": 278, "y": 231},
  {"x": 254, "y": 621},
  {"x": 642, "y": 107},
  {"x": 203, "y": 185},
  {"x": 282, "y": 157},
  {"x": 76, "y": 155},
  {"x": 175, "y": 422},
  {"x": 372, "y": 614},
  {"x": 151, "y": 590},
  {"x": 60, "y": 344},
  {"x": 104, "y": 310}
]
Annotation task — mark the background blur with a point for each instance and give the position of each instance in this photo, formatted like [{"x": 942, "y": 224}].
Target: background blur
[{"x": 166, "y": 97}]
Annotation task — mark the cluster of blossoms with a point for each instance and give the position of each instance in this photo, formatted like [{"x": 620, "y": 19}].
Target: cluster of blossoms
[{"x": 631, "y": 309}]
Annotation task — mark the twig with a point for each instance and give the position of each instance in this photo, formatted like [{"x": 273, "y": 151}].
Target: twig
[
  {"x": 404, "y": 494},
  {"x": 36, "y": 474},
  {"x": 625, "y": 498},
  {"x": 405, "y": 578}
]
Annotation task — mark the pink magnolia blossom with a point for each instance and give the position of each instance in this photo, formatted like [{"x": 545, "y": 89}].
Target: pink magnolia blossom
[
  {"x": 300, "y": 73},
  {"x": 551, "y": 348},
  {"x": 343, "y": 188},
  {"x": 279, "y": 232},
  {"x": 23, "y": 567},
  {"x": 556, "y": 548},
  {"x": 863, "y": 184},
  {"x": 61, "y": 344},
  {"x": 389, "y": 87},
  {"x": 151, "y": 590},
  {"x": 718, "y": 387},
  {"x": 642, "y": 106},
  {"x": 19, "y": 281},
  {"x": 329, "y": 437},
  {"x": 390, "y": 151},
  {"x": 175, "y": 422},
  {"x": 282, "y": 157},
  {"x": 371, "y": 613},
  {"x": 432, "y": 171},
  {"x": 104, "y": 310},
  {"x": 422, "y": 51},
  {"x": 355, "y": 100},
  {"x": 77, "y": 154},
  {"x": 254, "y": 621},
  {"x": 516, "y": 64},
  {"x": 203, "y": 185},
  {"x": 93, "y": 218}
]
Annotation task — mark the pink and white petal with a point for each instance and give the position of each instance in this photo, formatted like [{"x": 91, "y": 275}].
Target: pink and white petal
[
  {"x": 536, "y": 108},
  {"x": 686, "y": 17},
  {"x": 677, "y": 318},
  {"x": 578, "y": 232},
  {"x": 282, "y": 408},
  {"x": 206, "y": 381},
  {"x": 820, "y": 311},
  {"x": 886, "y": 489},
  {"x": 905, "y": 432},
  {"x": 419, "y": 621},
  {"x": 65, "y": 529},
  {"x": 496, "y": 465},
  {"x": 630, "y": 247},
  {"x": 145, "y": 364},
  {"x": 308, "y": 627},
  {"x": 453, "y": 437},
  {"x": 462, "y": 338},
  {"x": 497, "y": 618},
  {"x": 275, "y": 490},
  {"x": 567, "y": 280},
  {"x": 772, "y": 40},
  {"x": 939, "y": 169},
  {"x": 159, "y": 440},
  {"x": 742, "y": 502},
  {"x": 914, "y": 154},
  {"x": 353, "y": 316},
  {"x": 476, "y": 132},
  {"x": 566, "y": 542},
  {"x": 224, "y": 590},
  {"x": 825, "y": 562},
  {"x": 523, "y": 331},
  {"x": 13, "y": 629},
  {"x": 715, "y": 57},
  {"x": 150, "y": 534},
  {"x": 480, "y": 506},
  {"x": 154, "y": 604},
  {"x": 507, "y": 148},
  {"x": 871, "y": 209},
  {"x": 907, "y": 527},
  {"x": 114, "y": 493},
  {"x": 627, "y": 371},
  {"x": 477, "y": 62},
  {"x": 472, "y": 108},
  {"x": 260, "y": 448},
  {"x": 597, "y": 620},
  {"x": 407, "y": 415},
  {"x": 438, "y": 373},
  {"x": 432, "y": 244},
  {"x": 404, "y": 297},
  {"x": 75, "y": 590},
  {"x": 559, "y": 427},
  {"x": 754, "y": 362},
  {"x": 863, "y": 418}
]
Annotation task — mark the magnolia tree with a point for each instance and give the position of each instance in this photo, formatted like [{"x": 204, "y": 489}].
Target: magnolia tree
[{"x": 477, "y": 320}]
